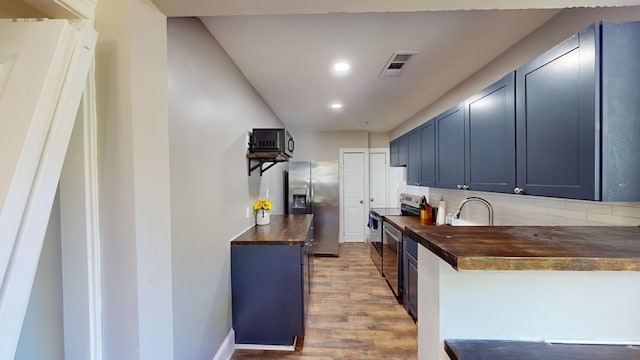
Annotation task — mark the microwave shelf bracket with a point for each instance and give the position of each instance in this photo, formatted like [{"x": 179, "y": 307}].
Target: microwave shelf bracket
[{"x": 264, "y": 161}]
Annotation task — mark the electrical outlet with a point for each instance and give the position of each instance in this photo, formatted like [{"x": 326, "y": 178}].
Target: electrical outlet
[{"x": 247, "y": 213}]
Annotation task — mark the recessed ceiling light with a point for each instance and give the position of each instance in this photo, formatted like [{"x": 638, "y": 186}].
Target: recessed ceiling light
[
  {"x": 340, "y": 69},
  {"x": 341, "y": 66},
  {"x": 336, "y": 106}
]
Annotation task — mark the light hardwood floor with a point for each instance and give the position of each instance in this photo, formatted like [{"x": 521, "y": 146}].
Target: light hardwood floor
[{"x": 352, "y": 314}]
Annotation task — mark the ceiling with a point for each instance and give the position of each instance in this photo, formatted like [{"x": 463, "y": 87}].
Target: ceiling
[
  {"x": 286, "y": 48},
  {"x": 288, "y": 59}
]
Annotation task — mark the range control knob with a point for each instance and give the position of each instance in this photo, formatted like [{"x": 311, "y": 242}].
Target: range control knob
[{"x": 518, "y": 190}]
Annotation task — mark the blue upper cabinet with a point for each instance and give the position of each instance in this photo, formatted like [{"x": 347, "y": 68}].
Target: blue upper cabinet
[
  {"x": 398, "y": 151},
  {"x": 556, "y": 120},
  {"x": 476, "y": 141},
  {"x": 413, "y": 157},
  {"x": 450, "y": 148},
  {"x": 490, "y": 138},
  {"x": 421, "y": 155},
  {"x": 428, "y": 154},
  {"x": 620, "y": 110},
  {"x": 578, "y": 118}
]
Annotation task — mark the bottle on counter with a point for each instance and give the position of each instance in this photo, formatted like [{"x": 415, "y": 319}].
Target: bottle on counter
[
  {"x": 442, "y": 211},
  {"x": 426, "y": 213}
]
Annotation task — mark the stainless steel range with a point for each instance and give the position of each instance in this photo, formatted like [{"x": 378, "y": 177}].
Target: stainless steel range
[{"x": 386, "y": 241}]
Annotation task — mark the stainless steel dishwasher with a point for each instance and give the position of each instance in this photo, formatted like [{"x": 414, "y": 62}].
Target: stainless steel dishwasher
[{"x": 392, "y": 257}]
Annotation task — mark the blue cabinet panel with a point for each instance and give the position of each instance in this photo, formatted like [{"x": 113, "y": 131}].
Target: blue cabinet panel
[
  {"x": 269, "y": 290},
  {"x": 621, "y": 111},
  {"x": 450, "y": 148},
  {"x": 413, "y": 157},
  {"x": 398, "y": 152},
  {"x": 402, "y": 150},
  {"x": 557, "y": 120},
  {"x": 428, "y": 154},
  {"x": 410, "y": 278},
  {"x": 491, "y": 143}
]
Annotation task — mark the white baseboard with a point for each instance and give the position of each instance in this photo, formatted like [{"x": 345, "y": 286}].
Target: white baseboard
[
  {"x": 267, "y": 347},
  {"x": 227, "y": 348}
]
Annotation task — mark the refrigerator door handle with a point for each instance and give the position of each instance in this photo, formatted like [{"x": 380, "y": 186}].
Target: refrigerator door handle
[{"x": 311, "y": 187}]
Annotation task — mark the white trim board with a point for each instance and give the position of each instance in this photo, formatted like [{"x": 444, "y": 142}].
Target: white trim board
[{"x": 227, "y": 348}]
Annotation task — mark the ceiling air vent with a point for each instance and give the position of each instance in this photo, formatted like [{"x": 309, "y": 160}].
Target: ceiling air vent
[{"x": 396, "y": 63}]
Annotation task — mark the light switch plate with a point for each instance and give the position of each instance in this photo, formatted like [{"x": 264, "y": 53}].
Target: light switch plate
[{"x": 247, "y": 213}]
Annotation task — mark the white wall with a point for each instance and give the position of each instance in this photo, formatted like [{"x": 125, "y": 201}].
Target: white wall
[
  {"x": 512, "y": 209},
  {"x": 211, "y": 109},
  {"x": 131, "y": 96},
  {"x": 377, "y": 140},
  {"x": 319, "y": 146},
  {"x": 18, "y": 9},
  {"x": 42, "y": 330}
]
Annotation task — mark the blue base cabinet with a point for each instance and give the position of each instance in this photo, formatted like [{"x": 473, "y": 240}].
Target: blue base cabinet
[
  {"x": 270, "y": 293},
  {"x": 410, "y": 278}
]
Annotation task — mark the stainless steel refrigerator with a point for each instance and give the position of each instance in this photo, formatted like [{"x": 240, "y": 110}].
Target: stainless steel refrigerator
[{"x": 312, "y": 187}]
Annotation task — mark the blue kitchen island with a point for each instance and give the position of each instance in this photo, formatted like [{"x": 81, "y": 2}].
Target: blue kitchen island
[{"x": 271, "y": 269}]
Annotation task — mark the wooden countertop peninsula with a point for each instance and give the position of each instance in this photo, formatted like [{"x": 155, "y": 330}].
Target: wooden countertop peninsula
[
  {"x": 283, "y": 230},
  {"x": 587, "y": 248}
]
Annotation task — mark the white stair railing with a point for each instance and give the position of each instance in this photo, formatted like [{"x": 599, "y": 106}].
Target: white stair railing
[{"x": 43, "y": 70}]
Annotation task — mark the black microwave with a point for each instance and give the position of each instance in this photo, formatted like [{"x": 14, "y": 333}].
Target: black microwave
[{"x": 272, "y": 140}]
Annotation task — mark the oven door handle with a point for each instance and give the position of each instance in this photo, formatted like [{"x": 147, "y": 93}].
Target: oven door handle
[{"x": 393, "y": 234}]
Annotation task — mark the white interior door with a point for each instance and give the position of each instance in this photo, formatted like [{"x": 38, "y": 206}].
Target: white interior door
[
  {"x": 353, "y": 169},
  {"x": 43, "y": 70},
  {"x": 378, "y": 179}
]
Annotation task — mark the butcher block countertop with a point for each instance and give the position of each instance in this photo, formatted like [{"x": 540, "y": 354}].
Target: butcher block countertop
[
  {"x": 508, "y": 350},
  {"x": 400, "y": 222},
  {"x": 570, "y": 248},
  {"x": 283, "y": 230}
]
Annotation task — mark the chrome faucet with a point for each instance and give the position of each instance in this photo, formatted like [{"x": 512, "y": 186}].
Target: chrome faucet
[{"x": 456, "y": 215}]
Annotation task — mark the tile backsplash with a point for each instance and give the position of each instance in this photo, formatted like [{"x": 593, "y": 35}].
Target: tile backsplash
[{"x": 512, "y": 209}]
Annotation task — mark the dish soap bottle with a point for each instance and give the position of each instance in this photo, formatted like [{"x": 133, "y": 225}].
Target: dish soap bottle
[{"x": 442, "y": 210}]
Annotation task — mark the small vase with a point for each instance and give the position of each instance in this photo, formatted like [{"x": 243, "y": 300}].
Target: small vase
[{"x": 263, "y": 217}]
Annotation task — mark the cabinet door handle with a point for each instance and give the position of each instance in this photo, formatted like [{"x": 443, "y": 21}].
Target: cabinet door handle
[
  {"x": 371, "y": 199},
  {"x": 361, "y": 202},
  {"x": 518, "y": 190}
]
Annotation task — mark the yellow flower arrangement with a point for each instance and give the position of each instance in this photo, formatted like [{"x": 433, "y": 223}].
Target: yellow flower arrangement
[{"x": 262, "y": 204}]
